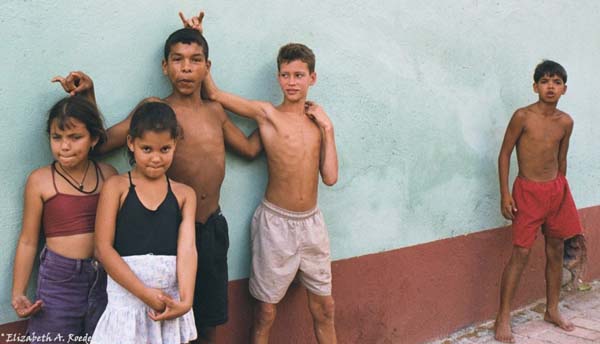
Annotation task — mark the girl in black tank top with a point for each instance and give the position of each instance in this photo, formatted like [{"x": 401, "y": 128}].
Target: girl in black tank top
[
  {"x": 140, "y": 230},
  {"x": 145, "y": 237}
]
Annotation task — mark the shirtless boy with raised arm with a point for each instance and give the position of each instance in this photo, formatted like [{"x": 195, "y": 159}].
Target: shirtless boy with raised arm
[
  {"x": 541, "y": 195},
  {"x": 199, "y": 162},
  {"x": 288, "y": 232}
]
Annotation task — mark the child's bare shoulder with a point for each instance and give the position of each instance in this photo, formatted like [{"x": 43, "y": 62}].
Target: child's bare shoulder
[
  {"x": 116, "y": 183},
  {"x": 41, "y": 173},
  {"x": 181, "y": 190},
  {"x": 107, "y": 169},
  {"x": 565, "y": 118},
  {"x": 40, "y": 178}
]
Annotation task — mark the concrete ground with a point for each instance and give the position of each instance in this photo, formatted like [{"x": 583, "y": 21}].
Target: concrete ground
[{"x": 581, "y": 307}]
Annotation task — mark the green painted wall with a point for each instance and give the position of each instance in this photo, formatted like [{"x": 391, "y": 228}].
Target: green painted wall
[{"x": 419, "y": 92}]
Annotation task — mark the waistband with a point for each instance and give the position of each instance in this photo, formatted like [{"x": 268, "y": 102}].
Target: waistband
[
  {"x": 295, "y": 215},
  {"x": 559, "y": 178},
  {"x": 210, "y": 217},
  {"x": 76, "y": 264}
]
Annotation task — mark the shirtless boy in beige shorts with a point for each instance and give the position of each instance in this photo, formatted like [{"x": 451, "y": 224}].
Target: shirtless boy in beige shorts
[{"x": 288, "y": 232}]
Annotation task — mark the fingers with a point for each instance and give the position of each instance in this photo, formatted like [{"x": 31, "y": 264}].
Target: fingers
[
  {"x": 62, "y": 81},
  {"x": 35, "y": 307},
  {"x": 183, "y": 20},
  {"x": 24, "y": 308}
]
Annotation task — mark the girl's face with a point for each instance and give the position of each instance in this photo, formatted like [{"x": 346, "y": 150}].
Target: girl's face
[
  {"x": 72, "y": 145},
  {"x": 153, "y": 152}
]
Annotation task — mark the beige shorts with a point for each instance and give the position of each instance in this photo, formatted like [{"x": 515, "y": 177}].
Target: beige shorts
[{"x": 284, "y": 242}]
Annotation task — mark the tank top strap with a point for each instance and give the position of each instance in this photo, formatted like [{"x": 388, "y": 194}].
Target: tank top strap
[
  {"x": 168, "y": 183},
  {"x": 98, "y": 170},
  {"x": 131, "y": 185},
  {"x": 53, "y": 168}
]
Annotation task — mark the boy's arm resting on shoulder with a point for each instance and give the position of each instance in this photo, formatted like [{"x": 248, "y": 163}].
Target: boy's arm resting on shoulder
[
  {"x": 115, "y": 266},
  {"x": 187, "y": 260},
  {"x": 247, "y": 146},
  {"x": 27, "y": 247},
  {"x": 328, "y": 163},
  {"x": 253, "y": 109},
  {"x": 564, "y": 147},
  {"x": 116, "y": 136},
  {"x": 512, "y": 134}
]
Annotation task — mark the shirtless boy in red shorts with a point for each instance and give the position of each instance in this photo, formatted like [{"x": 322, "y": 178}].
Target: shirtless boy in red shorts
[{"x": 541, "y": 195}]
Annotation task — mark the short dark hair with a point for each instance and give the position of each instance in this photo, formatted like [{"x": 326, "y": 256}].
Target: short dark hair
[
  {"x": 186, "y": 36},
  {"x": 296, "y": 51},
  {"x": 156, "y": 116},
  {"x": 549, "y": 68},
  {"x": 79, "y": 108}
]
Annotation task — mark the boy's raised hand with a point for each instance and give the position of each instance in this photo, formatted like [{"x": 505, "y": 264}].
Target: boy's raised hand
[
  {"x": 508, "y": 207},
  {"x": 24, "y": 308},
  {"x": 193, "y": 22},
  {"x": 316, "y": 113},
  {"x": 75, "y": 83}
]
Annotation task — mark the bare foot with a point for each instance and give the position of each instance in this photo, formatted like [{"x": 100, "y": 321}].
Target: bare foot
[
  {"x": 503, "y": 330},
  {"x": 559, "y": 321}
]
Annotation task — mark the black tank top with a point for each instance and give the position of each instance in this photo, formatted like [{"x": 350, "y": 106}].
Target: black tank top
[{"x": 140, "y": 230}]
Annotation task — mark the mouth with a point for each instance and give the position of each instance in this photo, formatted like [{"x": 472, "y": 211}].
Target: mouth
[{"x": 186, "y": 82}]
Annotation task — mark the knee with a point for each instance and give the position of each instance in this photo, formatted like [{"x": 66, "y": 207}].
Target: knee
[
  {"x": 521, "y": 255},
  {"x": 264, "y": 315},
  {"x": 323, "y": 310}
]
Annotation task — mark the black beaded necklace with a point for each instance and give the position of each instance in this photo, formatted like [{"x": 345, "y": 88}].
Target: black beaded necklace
[{"x": 80, "y": 186}]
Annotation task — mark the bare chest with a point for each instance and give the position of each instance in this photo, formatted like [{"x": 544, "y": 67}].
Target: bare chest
[
  {"x": 201, "y": 133},
  {"x": 296, "y": 138},
  {"x": 547, "y": 132}
]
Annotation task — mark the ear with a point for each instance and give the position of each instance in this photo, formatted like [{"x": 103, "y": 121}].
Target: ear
[
  {"x": 535, "y": 87},
  {"x": 95, "y": 142},
  {"x": 130, "y": 143},
  {"x": 313, "y": 78},
  {"x": 565, "y": 90},
  {"x": 208, "y": 64},
  {"x": 164, "y": 67}
]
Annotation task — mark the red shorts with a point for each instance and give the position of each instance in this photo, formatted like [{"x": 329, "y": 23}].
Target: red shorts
[{"x": 546, "y": 204}]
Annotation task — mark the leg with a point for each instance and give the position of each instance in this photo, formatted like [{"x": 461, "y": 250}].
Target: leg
[
  {"x": 322, "y": 309},
  {"x": 510, "y": 281},
  {"x": 554, "y": 260},
  {"x": 206, "y": 335},
  {"x": 210, "y": 293},
  {"x": 264, "y": 317}
]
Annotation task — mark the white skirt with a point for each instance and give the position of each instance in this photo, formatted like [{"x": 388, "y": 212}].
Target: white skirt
[{"x": 126, "y": 319}]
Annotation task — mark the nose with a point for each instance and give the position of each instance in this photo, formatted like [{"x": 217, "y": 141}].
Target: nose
[
  {"x": 155, "y": 158},
  {"x": 65, "y": 145},
  {"x": 185, "y": 65}
]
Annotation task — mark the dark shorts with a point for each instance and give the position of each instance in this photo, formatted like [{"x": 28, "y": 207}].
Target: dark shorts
[
  {"x": 210, "y": 295},
  {"x": 73, "y": 292}
]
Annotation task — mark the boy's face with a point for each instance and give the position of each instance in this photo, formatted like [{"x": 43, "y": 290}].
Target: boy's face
[
  {"x": 186, "y": 67},
  {"x": 550, "y": 88},
  {"x": 295, "y": 79}
]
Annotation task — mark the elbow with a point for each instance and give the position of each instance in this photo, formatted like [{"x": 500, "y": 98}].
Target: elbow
[
  {"x": 99, "y": 252},
  {"x": 330, "y": 180},
  {"x": 251, "y": 153}
]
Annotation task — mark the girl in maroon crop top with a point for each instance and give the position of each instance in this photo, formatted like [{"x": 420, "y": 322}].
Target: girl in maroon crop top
[
  {"x": 61, "y": 198},
  {"x": 145, "y": 238}
]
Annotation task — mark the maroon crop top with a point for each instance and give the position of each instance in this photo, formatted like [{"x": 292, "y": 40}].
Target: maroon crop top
[{"x": 65, "y": 214}]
